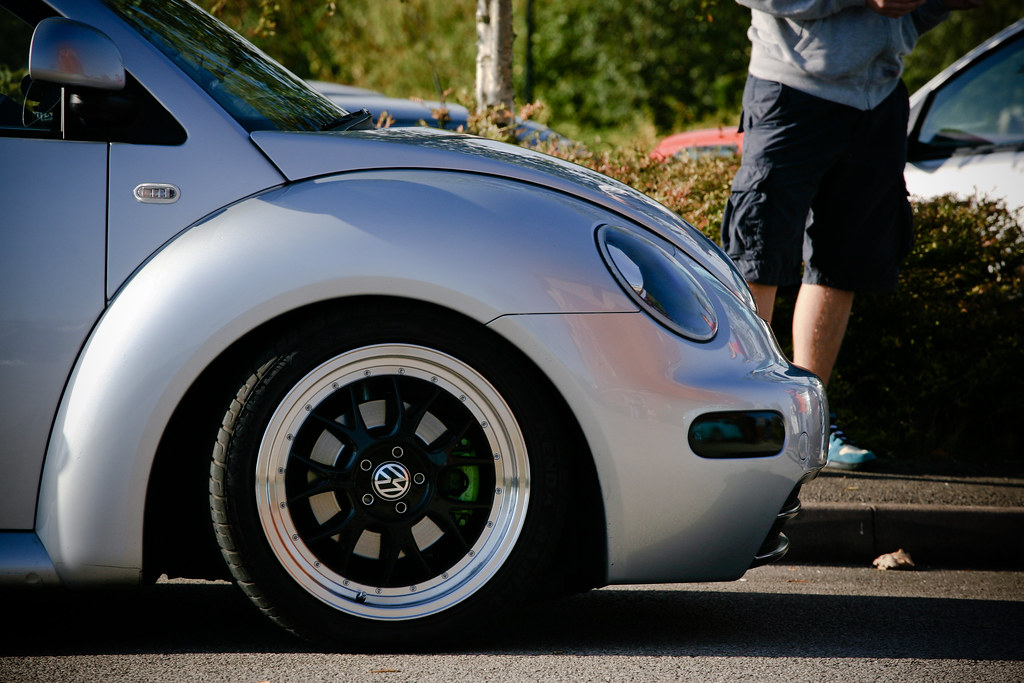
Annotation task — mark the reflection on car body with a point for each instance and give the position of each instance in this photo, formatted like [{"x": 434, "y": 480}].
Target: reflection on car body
[{"x": 389, "y": 380}]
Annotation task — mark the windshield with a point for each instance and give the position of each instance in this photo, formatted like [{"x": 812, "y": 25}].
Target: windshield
[
  {"x": 257, "y": 91},
  {"x": 982, "y": 106}
]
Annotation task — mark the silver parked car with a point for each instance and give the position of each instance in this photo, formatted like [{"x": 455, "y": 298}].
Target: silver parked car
[
  {"x": 967, "y": 125},
  {"x": 400, "y": 113},
  {"x": 391, "y": 381}
]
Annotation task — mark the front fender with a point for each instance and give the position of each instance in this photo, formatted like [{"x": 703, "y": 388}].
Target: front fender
[{"x": 483, "y": 246}]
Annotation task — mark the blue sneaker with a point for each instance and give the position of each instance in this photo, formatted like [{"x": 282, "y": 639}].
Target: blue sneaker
[{"x": 844, "y": 455}]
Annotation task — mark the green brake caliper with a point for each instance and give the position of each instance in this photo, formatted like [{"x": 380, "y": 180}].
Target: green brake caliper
[{"x": 470, "y": 485}]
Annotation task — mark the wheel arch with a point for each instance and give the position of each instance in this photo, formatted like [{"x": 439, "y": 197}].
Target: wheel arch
[{"x": 178, "y": 538}]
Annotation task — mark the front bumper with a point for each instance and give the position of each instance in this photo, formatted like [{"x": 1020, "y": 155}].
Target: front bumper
[{"x": 635, "y": 389}]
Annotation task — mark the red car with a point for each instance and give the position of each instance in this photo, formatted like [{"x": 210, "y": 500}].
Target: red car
[{"x": 721, "y": 141}]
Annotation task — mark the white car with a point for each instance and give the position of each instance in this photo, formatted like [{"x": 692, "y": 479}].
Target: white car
[
  {"x": 390, "y": 381},
  {"x": 966, "y": 130}
]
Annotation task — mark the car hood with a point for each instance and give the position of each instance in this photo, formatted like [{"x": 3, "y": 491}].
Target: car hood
[{"x": 300, "y": 156}]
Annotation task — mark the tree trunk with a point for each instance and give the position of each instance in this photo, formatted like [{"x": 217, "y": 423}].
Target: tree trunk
[
  {"x": 494, "y": 88},
  {"x": 528, "y": 62}
]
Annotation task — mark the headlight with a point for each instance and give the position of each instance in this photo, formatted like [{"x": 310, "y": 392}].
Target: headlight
[{"x": 657, "y": 276}]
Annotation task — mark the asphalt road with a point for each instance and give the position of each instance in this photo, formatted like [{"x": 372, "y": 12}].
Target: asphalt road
[{"x": 785, "y": 622}]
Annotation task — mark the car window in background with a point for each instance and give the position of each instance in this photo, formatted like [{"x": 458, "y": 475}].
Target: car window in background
[
  {"x": 984, "y": 106},
  {"x": 256, "y": 91},
  {"x": 24, "y": 110}
]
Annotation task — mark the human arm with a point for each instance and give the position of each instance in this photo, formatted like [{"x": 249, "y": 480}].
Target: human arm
[
  {"x": 936, "y": 8},
  {"x": 934, "y": 12},
  {"x": 818, "y": 9},
  {"x": 962, "y": 4},
  {"x": 894, "y": 9}
]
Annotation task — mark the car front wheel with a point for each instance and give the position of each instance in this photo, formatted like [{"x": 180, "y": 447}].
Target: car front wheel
[{"x": 376, "y": 481}]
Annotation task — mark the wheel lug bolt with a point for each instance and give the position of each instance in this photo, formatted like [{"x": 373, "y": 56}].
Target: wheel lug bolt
[
  {"x": 367, "y": 499},
  {"x": 418, "y": 478},
  {"x": 365, "y": 465},
  {"x": 400, "y": 508}
]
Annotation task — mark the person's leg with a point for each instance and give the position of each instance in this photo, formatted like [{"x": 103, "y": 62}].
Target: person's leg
[
  {"x": 819, "y": 325},
  {"x": 859, "y": 233},
  {"x": 764, "y": 297}
]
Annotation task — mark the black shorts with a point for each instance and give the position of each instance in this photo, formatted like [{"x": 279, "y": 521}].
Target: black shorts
[{"x": 820, "y": 184}]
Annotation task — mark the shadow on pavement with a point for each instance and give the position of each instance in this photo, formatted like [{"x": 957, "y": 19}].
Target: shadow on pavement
[{"x": 216, "y": 618}]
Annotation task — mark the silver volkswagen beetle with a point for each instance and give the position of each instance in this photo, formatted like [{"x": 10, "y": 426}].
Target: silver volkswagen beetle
[{"x": 390, "y": 381}]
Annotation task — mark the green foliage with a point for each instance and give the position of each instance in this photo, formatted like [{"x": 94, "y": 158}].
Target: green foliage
[
  {"x": 599, "y": 65},
  {"x": 935, "y": 369},
  {"x": 954, "y": 38},
  {"x": 10, "y": 82},
  {"x": 598, "y": 62},
  {"x": 694, "y": 188},
  {"x": 403, "y": 48},
  {"x": 14, "y": 42}
]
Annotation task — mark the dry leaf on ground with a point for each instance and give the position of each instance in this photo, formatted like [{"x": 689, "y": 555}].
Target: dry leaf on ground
[{"x": 897, "y": 560}]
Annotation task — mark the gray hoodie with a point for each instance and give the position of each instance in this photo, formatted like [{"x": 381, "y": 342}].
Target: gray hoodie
[{"x": 837, "y": 50}]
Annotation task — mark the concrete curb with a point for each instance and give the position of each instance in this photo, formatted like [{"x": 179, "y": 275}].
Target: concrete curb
[{"x": 934, "y": 535}]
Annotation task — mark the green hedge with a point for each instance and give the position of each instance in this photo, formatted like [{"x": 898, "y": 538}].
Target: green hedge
[{"x": 934, "y": 370}]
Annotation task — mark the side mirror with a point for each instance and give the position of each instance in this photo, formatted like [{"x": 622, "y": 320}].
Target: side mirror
[{"x": 69, "y": 53}]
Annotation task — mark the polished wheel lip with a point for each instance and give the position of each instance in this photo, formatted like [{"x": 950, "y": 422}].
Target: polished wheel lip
[{"x": 505, "y": 518}]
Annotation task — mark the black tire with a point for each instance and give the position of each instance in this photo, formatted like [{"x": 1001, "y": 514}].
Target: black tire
[{"x": 389, "y": 478}]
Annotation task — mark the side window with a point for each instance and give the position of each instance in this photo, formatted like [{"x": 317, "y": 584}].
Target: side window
[
  {"x": 31, "y": 108},
  {"x": 25, "y": 108},
  {"x": 982, "y": 107}
]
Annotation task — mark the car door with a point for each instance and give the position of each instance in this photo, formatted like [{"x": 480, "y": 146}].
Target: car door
[
  {"x": 53, "y": 199},
  {"x": 92, "y": 183}
]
